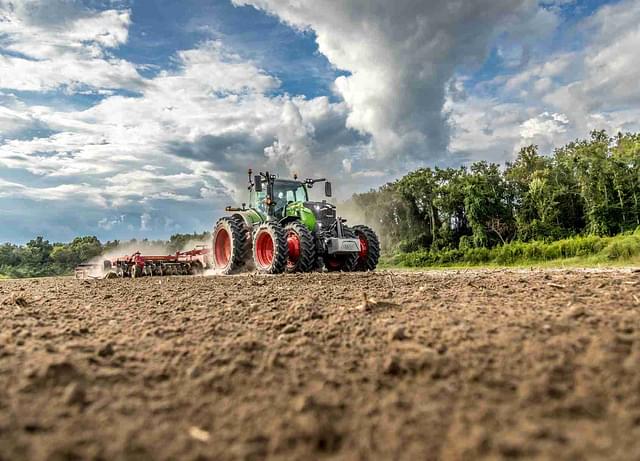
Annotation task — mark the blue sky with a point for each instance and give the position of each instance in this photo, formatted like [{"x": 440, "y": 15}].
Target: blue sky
[
  {"x": 139, "y": 118},
  {"x": 161, "y": 28}
]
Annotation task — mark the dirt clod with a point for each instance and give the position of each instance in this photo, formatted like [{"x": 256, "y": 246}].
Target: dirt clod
[
  {"x": 399, "y": 334},
  {"x": 107, "y": 350},
  {"x": 576, "y": 312},
  {"x": 199, "y": 434},
  {"x": 16, "y": 300},
  {"x": 75, "y": 394},
  {"x": 290, "y": 329}
]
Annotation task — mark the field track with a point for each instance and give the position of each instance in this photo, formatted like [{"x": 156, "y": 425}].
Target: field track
[{"x": 389, "y": 365}]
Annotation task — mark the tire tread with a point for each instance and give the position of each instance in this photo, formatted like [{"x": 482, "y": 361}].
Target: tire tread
[
  {"x": 371, "y": 261},
  {"x": 281, "y": 251},
  {"x": 239, "y": 244},
  {"x": 307, "y": 259}
]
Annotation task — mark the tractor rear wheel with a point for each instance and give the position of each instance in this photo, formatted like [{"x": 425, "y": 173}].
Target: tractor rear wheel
[
  {"x": 229, "y": 245},
  {"x": 270, "y": 250},
  {"x": 301, "y": 246},
  {"x": 344, "y": 262},
  {"x": 369, "y": 248}
]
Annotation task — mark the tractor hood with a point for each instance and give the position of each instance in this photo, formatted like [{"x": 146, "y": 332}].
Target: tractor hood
[{"x": 324, "y": 212}]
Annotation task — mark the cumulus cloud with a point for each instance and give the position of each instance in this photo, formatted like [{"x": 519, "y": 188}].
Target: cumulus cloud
[
  {"x": 543, "y": 130},
  {"x": 400, "y": 56}
]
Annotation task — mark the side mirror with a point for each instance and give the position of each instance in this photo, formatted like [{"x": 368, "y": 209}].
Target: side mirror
[
  {"x": 327, "y": 189},
  {"x": 257, "y": 181}
]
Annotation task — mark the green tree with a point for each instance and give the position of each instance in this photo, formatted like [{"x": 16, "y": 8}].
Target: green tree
[{"x": 489, "y": 205}]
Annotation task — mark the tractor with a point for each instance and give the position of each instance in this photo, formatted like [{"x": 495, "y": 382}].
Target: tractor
[{"x": 281, "y": 230}]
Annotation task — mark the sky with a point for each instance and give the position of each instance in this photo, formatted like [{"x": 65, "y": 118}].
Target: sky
[{"x": 139, "y": 118}]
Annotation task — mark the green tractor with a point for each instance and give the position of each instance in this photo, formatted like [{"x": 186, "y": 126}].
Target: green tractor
[{"x": 282, "y": 231}]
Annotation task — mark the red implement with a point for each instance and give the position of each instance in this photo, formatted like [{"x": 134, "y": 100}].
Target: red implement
[{"x": 190, "y": 262}]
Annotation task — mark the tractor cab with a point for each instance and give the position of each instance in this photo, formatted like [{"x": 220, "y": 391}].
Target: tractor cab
[
  {"x": 284, "y": 192},
  {"x": 278, "y": 198}
]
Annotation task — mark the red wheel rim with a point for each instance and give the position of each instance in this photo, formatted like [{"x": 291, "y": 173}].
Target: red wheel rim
[
  {"x": 293, "y": 242},
  {"x": 222, "y": 248},
  {"x": 334, "y": 263},
  {"x": 264, "y": 249},
  {"x": 364, "y": 248}
]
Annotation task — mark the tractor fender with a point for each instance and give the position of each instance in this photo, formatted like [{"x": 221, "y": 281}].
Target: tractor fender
[
  {"x": 287, "y": 219},
  {"x": 298, "y": 212},
  {"x": 249, "y": 217}
]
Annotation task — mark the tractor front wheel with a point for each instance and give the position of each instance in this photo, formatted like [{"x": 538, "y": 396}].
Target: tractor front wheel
[
  {"x": 301, "y": 246},
  {"x": 229, "y": 245},
  {"x": 369, "y": 248},
  {"x": 270, "y": 250}
]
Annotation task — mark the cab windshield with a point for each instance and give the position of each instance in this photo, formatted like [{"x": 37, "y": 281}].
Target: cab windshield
[
  {"x": 289, "y": 191},
  {"x": 284, "y": 192}
]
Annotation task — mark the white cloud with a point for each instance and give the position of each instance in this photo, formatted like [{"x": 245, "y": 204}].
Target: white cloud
[
  {"x": 560, "y": 97},
  {"x": 15, "y": 116},
  {"x": 544, "y": 130},
  {"x": 60, "y": 193},
  {"x": 108, "y": 223},
  {"x": 544, "y": 123},
  {"x": 58, "y": 43},
  {"x": 401, "y": 55}
]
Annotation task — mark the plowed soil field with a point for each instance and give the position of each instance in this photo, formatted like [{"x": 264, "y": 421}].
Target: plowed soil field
[{"x": 387, "y": 365}]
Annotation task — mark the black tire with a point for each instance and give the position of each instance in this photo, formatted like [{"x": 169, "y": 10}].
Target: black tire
[
  {"x": 306, "y": 247},
  {"x": 345, "y": 262},
  {"x": 270, "y": 251},
  {"x": 229, "y": 245},
  {"x": 247, "y": 258},
  {"x": 368, "y": 260}
]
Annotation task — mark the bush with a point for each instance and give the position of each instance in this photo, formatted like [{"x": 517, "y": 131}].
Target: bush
[
  {"x": 466, "y": 243},
  {"x": 623, "y": 248},
  {"x": 415, "y": 244}
]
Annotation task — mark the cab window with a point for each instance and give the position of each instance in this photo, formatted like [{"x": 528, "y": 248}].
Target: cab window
[{"x": 290, "y": 193}]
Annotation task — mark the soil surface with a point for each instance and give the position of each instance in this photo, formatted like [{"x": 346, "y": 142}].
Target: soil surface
[{"x": 386, "y": 365}]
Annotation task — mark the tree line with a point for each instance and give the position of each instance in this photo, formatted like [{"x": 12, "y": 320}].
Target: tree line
[
  {"x": 39, "y": 257},
  {"x": 588, "y": 187}
]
